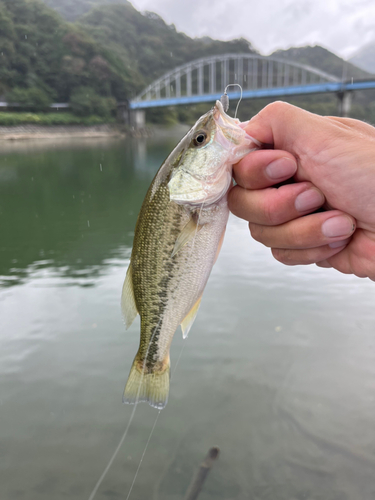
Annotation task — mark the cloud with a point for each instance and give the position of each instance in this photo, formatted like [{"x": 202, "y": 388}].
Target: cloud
[{"x": 342, "y": 26}]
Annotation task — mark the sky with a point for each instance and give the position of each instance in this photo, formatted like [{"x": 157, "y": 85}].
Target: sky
[{"x": 342, "y": 26}]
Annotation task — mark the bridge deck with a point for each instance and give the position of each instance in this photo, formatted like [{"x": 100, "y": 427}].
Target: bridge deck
[{"x": 324, "y": 87}]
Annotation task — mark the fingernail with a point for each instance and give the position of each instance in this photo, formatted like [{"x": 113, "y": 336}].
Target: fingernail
[
  {"x": 338, "y": 226},
  {"x": 312, "y": 198},
  {"x": 340, "y": 243},
  {"x": 281, "y": 168}
]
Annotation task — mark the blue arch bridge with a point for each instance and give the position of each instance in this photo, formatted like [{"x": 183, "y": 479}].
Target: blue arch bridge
[{"x": 204, "y": 80}]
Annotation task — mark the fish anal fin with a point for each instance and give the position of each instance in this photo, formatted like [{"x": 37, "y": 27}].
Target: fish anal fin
[
  {"x": 188, "y": 232},
  {"x": 128, "y": 306},
  {"x": 150, "y": 386},
  {"x": 188, "y": 321}
]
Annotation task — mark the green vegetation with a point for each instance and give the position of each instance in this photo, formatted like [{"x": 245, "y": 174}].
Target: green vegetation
[
  {"x": 113, "y": 49},
  {"x": 84, "y": 101},
  {"x": 111, "y": 52},
  {"x": 34, "y": 98},
  {"x": 149, "y": 45},
  {"x": 8, "y": 119},
  {"x": 38, "y": 49},
  {"x": 72, "y": 9}
]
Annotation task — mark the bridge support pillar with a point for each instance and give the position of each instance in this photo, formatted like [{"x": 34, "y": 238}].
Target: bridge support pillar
[
  {"x": 345, "y": 101},
  {"x": 135, "y": 118}
]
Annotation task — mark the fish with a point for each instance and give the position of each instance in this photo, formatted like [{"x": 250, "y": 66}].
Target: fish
[{"x": 177, "y": 239}]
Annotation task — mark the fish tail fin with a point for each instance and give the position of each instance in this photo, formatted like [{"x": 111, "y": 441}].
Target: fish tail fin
[{"x": 143, "y": 385}]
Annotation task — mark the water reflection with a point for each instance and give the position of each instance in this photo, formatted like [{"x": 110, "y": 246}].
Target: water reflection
[
  {"x": 278, "y": 370},
  {"x": 71, "y": 209}
]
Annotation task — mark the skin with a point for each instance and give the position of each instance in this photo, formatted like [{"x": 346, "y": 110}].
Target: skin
[
  {"x": 177, "y": 238},
  {"x": 330, "y": 162}
]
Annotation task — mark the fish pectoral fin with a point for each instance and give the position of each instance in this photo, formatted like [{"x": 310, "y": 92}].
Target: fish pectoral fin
[
  {"x": 188, "y": 232},
  {"x": 128, "y": 306},
  {"x": 188, "y": 321}
]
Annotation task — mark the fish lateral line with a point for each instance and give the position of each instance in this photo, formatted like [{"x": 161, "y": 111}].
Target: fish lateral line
[{"x": 172, "y": 254}]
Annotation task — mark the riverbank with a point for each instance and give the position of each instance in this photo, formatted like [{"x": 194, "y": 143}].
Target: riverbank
[
  {"x": 35, "y": 137},
  {"x": 28, "y": 131}
]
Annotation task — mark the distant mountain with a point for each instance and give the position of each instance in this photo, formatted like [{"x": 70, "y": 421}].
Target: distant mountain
[
  {"x": 365, "y": 58},
  {"x": 147, "y": 43},
  {"x": 322, "y": 59},
  {"x": 41, "y": 52},
  {"x": 112, "y": 48},
  {"x": 142, "y": 41}
]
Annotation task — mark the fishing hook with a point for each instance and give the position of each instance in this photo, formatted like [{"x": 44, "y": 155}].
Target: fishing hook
[{"x": 224, "y": 99}]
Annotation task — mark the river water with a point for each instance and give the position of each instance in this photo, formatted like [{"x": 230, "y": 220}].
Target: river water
[{"x": 278, "y": 370}]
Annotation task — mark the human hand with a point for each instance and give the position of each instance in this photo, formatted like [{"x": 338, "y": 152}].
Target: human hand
[{"x": 332, "y": 161}]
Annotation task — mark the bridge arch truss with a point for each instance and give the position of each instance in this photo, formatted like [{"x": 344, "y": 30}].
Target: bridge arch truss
[{"x": 210, "y": 75}]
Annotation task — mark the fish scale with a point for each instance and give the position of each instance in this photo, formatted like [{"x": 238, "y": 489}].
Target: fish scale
[{"x": 177, "y": 238}]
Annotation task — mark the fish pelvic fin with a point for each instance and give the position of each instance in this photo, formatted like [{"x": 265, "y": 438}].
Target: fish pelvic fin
[
  {"x": 128, "y": 305},
  {"x": 151, "y": 385}
]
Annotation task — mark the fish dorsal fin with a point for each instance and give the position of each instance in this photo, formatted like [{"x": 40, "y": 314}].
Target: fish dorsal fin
[
  {"x": 128, "y": 307},
  {"x": 188, "y": 321},
  {"x": 188, "y": 232}
]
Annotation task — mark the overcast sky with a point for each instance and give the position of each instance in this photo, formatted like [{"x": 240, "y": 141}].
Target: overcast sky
[{"x": 341, "y": 26}]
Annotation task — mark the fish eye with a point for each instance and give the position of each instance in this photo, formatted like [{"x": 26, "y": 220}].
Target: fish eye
[{"x": 200, "y": 138}]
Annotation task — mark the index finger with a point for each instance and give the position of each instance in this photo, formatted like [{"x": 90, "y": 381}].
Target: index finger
[{"x": 281, "y": 124}]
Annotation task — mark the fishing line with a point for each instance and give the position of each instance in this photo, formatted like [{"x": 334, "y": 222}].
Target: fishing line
[
  {"x": 143, "y": 454},
  {"x": 225, "y": 98},
  {"x": 197, "y": 226},
  {"x": 152, "y": 430},
  {"x": 101, "y": 479},
  {"x": 178, "y": 359}
]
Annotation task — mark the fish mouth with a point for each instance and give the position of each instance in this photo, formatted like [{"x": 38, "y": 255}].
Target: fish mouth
[
  {"x": 229, "y": 129},
  {"x": 221, "y": 116}
]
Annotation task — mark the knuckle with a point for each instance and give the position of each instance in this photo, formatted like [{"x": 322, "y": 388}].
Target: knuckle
[
  {"x": 277, "y": 107},
  {"x": 360, "y": 270},
  {"x": 283, "y": 256},
  {"x": 256, "y": 231},
  {"x": 271, "y": 213}
]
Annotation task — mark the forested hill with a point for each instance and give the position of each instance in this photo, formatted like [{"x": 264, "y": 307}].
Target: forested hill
[
  {"x": 323, "y": 59},
  {"x": 365, "y": 57},
  {"x": 110, "y": 52},
  {"x": 147, "y": 43},
  {"x": 72, "y": 9},
  {"x": 114, "y": 50},
  {"x": 155, "y": 46},
  {"x": 39, "y": 50}
]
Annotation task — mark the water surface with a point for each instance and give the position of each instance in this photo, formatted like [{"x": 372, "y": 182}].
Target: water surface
[{"x": 278, "y": 370}]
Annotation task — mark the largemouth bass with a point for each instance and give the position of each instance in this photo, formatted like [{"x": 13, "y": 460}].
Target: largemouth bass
[{"x": 178, "y": 236}]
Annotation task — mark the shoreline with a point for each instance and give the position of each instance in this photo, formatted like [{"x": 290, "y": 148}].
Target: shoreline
[
  {"x": 30, "y": 131},
  {"x": 37, "y": 137}
]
